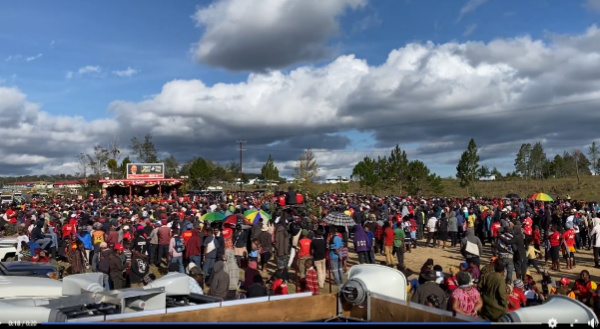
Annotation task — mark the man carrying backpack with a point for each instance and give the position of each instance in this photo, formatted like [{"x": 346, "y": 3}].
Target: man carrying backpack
[{"x": 176, "y": 249}]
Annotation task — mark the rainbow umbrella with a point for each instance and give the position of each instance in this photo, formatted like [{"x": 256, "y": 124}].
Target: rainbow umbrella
[
  {"x": 541, "y": 197},
  {"x": 263, "y": 213},
  {"x": 212, "y": 217},
  {"x": 255, "y": 216}
]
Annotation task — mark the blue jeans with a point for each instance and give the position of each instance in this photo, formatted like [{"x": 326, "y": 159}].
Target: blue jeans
[
  {"x": 208, "y": 266},
  {"x": 178, "y": 261},
  {"x": 106, "y": 280},
  {"x": 44, "y": 243},
  {"x": 196, "y": 260},
  {"x": 336, "y": 268}
]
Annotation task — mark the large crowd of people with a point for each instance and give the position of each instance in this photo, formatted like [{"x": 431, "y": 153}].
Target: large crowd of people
[{"x": 134, "y": 239}]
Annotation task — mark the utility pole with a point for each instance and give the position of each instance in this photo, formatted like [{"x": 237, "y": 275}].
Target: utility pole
[{"x": 241, "y": 149}]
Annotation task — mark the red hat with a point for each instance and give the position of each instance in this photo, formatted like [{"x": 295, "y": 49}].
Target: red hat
[
  {"x": 164, "y": 222},
  {"x": 51, "y": 223},
  {"x": 227, "y": 232},
  {"x": 119, "y": 246},
  {"x": 564, "y": 281},
  {"x": 163, "y": 216}
]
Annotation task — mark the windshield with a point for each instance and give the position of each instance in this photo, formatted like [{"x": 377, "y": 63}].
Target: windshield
[{"x": 6, "y": 197}]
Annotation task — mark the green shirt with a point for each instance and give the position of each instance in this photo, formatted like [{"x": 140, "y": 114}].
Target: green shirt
[{"x": 399, "y": 237}]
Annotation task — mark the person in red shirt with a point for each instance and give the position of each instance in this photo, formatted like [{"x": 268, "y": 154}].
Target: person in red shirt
[
  {"x": 388, "y": 243},
  {"x": 554, "y": 240},
  {"x": 69, "y": 229},
  {"x": 568, "y": 245},
  {"x": 303, "y": 253},
  {"x": 494, "y": 228},
  {"x": 584, "y": 288},
  {"x": 537, "y": 237},
  {"x": 516, "y": 297},
  {"x": 527, "y": 228}
]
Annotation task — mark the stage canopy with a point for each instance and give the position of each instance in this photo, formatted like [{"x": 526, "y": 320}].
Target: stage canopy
[{"x": 107, "y": 183}]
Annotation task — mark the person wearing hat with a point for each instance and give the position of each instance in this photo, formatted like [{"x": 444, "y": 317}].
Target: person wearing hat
[
  {"x": 516, "y": 298},
  {"x": 563, "y": 288},
  {"x": 427, "y": 288},
  {"x": 465, "y": 299}
]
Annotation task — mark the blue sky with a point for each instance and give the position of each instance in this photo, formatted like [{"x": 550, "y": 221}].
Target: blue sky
[{"x": 77, "y": 58}]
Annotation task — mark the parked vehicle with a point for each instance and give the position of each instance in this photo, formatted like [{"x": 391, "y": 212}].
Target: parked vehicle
[
  {"x": 6, "y": 198},
  {"x": 30, "y": 269},
  {"x": 8, "y": 249}
]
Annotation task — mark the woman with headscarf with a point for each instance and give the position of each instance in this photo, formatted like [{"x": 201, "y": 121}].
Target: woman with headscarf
[
  {"x": 76, "y": 256},
  {"x": 361, "y": 244},
  {"x": 232, "y": 269},
  {"x": 465, "y": 299}
]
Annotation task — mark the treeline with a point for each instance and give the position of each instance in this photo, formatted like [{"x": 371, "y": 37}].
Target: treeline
[
  {"x": 531, "y": 162},
  {"x": 396, "y": 172}
]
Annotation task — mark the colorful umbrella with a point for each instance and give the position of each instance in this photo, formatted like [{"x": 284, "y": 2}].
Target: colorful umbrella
[
  {"x": 212, "y": 217},
  {"x": 541, "y": 197},
  {"x": 236, "y": 219},
  {"x": 255, "y": 216},
  {"x": 263, "y": 213},
  {"x": 339, "y": 219}
]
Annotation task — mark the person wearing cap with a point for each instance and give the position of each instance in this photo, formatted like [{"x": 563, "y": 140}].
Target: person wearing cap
[
  {"x": 117, "y": 267},
  {"x": 563, "y": 288}
]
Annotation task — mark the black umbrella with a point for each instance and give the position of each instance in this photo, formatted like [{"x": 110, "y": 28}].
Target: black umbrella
[
  {"x": 513, "y": 196},
  {"x": 339, "y": 219}
]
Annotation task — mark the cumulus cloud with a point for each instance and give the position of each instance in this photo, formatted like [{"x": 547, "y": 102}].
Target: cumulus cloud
[
  {"x": 129, "y": 72},
  {"x": 243, "y": 35},
  {"x": 469, "y": 7},
  {"x": 429, "y": 98}
]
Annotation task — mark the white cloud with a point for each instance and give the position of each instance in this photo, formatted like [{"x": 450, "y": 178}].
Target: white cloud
[
  {"x": 11, "y": 58},
  {"x": 592, "y": 5},
  {"x": 502, "y": 93},
  {"x": 125, "y": 73},
  {"x": 469, "y": 30},
  {"x": 469, "y": 7},
  {"x": 243, "y": 35},
  {"x": 89, "y": 69},
  {"x": 33, "y": 58}
]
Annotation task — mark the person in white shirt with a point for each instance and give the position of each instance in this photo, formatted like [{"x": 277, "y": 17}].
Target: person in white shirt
[
  {"x": 432, "y": 231},
  {"x": 23, "y": 237},
  {"x": 595, "y": 236}
]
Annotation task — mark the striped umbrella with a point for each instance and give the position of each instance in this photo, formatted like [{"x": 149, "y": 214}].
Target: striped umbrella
[
  {"x": 213, "y": 217},
  {"x": 263, "y": 213},
  {"x": 541, "y": 197},
  {"x": 255, "y": 216}
]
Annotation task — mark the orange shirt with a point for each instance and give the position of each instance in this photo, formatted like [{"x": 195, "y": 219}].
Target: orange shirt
[{"x": 304, "y": 244}]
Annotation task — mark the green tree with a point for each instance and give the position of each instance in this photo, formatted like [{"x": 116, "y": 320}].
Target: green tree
[
  {"x": 113, "y": 167},
  {"x": 123, "y": 168},
  {"x": 397, "y": 164},
  {"x": 496, "y": 173},
  {"x": 201, "y": 173},
  {"x": 483, "y": 171},
  {"x": 420, "y": 180},
  {"x": 171, "y": 166},
  {"x": 98, "y": 161},
  {"x": 366, "y": 173},
  {"x": 269, "y": 171},
  {"x": 522, "y": 160},
  {"x": 466, "y": 170},
  {"x": 537, "y": 157},
  {"x": 144, "y": 149}
]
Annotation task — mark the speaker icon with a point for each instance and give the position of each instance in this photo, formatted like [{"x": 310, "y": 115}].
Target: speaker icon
[{"x": 592, "y": 323}]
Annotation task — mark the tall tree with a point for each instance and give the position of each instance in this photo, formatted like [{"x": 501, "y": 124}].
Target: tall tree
[
  {"x": 522, "y": 160},
  {"x": 397, "y": 164},
  {"x": 269, "y": 171},
  {"x": 144, "y": 149},
  {"x": 307, "y": 168},
  {"x": 366, "y": 173},
  {"x": 466, "y": 170},
  {"x": 483, "y": 171},
  {"x": 123, "y": 167},
  {"x": 113, "y": 149},
  {"x": 496, "y": 172},
  {"x": 594, "y": 154},
  {"x": 201, "y": 173},
  {"x": 171, "y": 166},
  {"x": 536, "y": 160},
  {"x": 82, "y": 165},
  {"x": 98, "y": 160}
]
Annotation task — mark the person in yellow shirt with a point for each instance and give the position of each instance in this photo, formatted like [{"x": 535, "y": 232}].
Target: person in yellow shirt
[
  {"x": 532, "y": 254},
  {"x": 471, "y": 218},
  {"x": 563, "y": 288}
]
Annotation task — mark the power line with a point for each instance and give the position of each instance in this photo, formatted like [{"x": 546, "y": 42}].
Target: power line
[{"x": 241, "y": 149}]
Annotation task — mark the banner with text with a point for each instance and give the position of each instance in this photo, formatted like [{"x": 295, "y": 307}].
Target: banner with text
[{"x": 145, "y": 170}]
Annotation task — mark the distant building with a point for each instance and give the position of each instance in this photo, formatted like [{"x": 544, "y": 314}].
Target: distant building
[
  {"x": 337, "y": 180},
  {"x": 488, "y": 177}
]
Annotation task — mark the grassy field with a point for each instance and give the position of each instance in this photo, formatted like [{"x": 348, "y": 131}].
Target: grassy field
[{"x": 588, "y": 188}]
